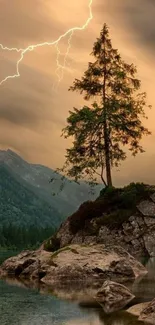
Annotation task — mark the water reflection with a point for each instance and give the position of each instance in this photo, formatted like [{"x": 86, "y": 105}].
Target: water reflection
[
  {"x": 121, "y": 318},
  {"x": 144, "y": 288},
  {"x": 92, "y": 321},
  {"x": 20, "y": 305}
]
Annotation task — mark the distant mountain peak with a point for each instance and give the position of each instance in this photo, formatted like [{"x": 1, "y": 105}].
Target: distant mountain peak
[
  {"x": 37, "y": 177},
  {"x": 8, "y": 152}
]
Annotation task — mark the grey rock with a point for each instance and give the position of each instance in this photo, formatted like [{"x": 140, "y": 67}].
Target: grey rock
[
  {"x": 136, "y": 235},
  {"x": 149, "y": 221},
  {"x": 113, "y": 296},
  {"x": 140, "y": 221},
  {"x": 149, "y": 240},
  {"x": 147, "y": 208},
  {"x": 153, "y": 197},
  {"x": 27, "y": 264},
  {"x": 64, "y": 234}
]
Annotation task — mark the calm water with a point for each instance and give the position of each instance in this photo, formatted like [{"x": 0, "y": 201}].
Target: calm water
[{"x": 22, "y": 306}]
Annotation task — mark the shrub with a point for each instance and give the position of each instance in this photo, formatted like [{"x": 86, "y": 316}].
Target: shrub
[
  {"x": 112, "y": 207},
  {"x": 52, "y": 244}
]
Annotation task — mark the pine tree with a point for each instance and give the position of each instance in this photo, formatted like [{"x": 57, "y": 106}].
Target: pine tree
[{"x": 101, "y": 131}]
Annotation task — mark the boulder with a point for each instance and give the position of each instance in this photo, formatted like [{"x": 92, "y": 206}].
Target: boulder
[
  {"x": 92, "y": 264},
  {"x": 113, "y": 296},
  {"x": 27, "y": 264},
  {"x": 75, "y": 263},
  {"x": 105, "y": 221},
  {"x": 137, "y": 309},
  {"x": 148, "y": 313},
  {"x": 147, "y": 208}
]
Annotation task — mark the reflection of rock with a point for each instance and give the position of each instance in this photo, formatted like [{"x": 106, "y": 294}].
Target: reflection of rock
[
  {"x": 90, "y": 264},
  {"x": 113, "y": 296},
  {"x": 118, "y": 318},
  {"x": 148, "y": 313},
  {"x": 84, "y": 321}
]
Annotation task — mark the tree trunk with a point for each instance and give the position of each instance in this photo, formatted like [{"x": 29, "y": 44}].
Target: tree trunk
[
  {"x": 108, "y": 173},
  {"x": 105, "y": 129},
  {"x": 107, "y": 155},
  {"x": 102, "y": 178}
]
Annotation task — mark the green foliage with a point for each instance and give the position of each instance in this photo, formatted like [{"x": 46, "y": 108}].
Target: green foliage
[
  {"x": 59, "y": 250},
  {"x": 21, "y": 237},
  {"x": 63, "y": 249},
  {"x": 87, "y": 211},
  {"x": 52, "y": 244},
  {"x": 25, "y": 219},
  {"x": 115, "y": 218},
  {"x": 125, "y": 197},
  {"x": 122, "y": 203},
  {"x": 112, "y": 208},
  {"x": 100, "y": 131}
]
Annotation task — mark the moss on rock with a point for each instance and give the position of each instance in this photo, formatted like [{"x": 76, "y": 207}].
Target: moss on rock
[{"x": 112, "y": 208}]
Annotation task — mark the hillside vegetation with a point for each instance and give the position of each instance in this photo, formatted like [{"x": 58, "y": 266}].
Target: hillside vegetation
[
  {"x": 29, "y": 213},
  {"x": 24, "y": 217}
]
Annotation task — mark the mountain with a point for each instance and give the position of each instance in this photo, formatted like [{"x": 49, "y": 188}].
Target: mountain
[
  {"x": 28, "y": 210},
  {"x": 19, "y": 206},
  {"x": 36, "y": 179},
  {"x": 118, "y": 217}
]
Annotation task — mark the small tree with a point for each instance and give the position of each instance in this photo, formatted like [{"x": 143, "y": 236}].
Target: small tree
[{"x": 101, "y": 131}]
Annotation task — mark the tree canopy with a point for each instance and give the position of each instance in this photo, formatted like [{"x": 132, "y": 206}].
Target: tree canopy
[{"x": 113, "y": 120}]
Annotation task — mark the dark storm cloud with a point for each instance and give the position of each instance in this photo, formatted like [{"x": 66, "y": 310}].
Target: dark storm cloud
[
  {"x": 31, "y": 113},
  {"x": 136, "y": 17},
  {"x": 32, "y": 103},
  {"x": 22, "y": 25},
  {"x": 141, "y": 19},
  {"x": 32, "y": 21},
  {"x": 24, "y": 105}
]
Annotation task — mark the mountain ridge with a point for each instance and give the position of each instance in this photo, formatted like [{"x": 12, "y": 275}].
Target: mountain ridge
[
  {"x": 28, "y": 211},
  {"x": 37, "y": 177}
]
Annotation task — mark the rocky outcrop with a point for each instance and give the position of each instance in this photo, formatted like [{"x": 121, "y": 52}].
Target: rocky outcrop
[
  {"x": 136, "y": 234},
  {"x": 29, "y": 264},
  {"x": 144, "y": 311},
  {"x": 113, "y": 296},
  {"x": 137, "y": 309},
  {"x": 148, "y": 314},
  {"x": 90, "y": 264}
]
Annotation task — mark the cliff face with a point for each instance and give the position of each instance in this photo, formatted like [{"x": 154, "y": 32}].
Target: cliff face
[{"x": 112, "y": 220}]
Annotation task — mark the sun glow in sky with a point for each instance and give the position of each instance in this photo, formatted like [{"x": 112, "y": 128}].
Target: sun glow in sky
[{"x": 32, "y": 114}]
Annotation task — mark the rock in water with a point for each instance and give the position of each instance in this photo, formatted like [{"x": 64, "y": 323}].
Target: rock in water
[
  {"x": 87, "y": 263},
  {"x": 137, "y": 309},
  {"x": 113, "y": 296},
  {"x": 148, "y": 314}
]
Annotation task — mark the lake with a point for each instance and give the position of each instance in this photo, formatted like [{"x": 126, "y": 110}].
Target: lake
[{"x": 23, "y": 306}]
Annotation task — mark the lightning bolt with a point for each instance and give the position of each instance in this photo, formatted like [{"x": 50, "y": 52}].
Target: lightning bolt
[{"x": 60, "y": 67}]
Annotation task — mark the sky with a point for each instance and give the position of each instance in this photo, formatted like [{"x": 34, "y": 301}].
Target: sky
[{"x": 34, "y": 107}]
